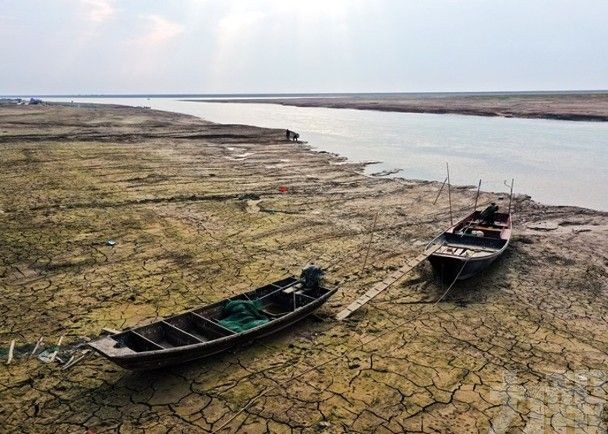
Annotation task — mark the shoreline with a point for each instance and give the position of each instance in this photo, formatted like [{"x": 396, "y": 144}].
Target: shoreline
[
  {"x": 525, "y": 180},
  {"x": 197, "y": 213},
  {"x": 583, "y": 106},
  {"x": 341, "y": 158}
]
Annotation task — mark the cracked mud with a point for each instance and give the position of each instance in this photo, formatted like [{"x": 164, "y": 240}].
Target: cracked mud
[{"x": 196, "y": 212}]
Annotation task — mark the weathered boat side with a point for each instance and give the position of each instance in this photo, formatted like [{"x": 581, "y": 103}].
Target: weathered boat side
[
  {"x": 197, "y": 334},
  {"x": 462, "y": 255}
]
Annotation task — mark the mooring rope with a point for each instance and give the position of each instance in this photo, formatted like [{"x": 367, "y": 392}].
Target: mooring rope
[{"x": 341, "y": 355}]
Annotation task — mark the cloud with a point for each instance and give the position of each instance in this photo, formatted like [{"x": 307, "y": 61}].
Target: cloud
[
  {"x": 99, "y": 11},
  {"x": 235, "y": 32},
  {"x": 158, "y": 30},
  {"x": 150, "y": 46},
  {"x": 236, "y": 22}
]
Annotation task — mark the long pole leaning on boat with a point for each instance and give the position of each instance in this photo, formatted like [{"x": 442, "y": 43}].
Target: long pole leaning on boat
[
  {"x": 477, "y": 196},
  {"x": 447, "y": 167},
  {"x": 511, "y": 195},
  {"x": 464, "y": 230},
  {"x": 440, "y": 190},
  {"x": 371, "y": 238}
]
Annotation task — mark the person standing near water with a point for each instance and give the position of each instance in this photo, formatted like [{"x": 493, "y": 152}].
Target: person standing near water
[{"x": 291, "y": 135}]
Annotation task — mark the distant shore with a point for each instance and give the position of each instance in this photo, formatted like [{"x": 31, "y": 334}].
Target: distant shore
[{"x": 571, "y": 106}]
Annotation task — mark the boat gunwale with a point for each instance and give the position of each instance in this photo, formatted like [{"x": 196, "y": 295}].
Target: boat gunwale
[
  {"x": 468, "y": 258},
  {"x": 490, "y": 255},
  {"x": 138, "y": 354}
]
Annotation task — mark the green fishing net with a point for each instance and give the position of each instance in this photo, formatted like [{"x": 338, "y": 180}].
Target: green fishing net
[{"x": 243, "y": 315}]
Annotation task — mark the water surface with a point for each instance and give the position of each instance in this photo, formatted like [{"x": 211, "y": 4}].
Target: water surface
[{"x": 556, "y": 162}]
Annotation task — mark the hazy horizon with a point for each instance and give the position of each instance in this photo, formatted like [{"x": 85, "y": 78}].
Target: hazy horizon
[
  {"x": 194, "y": 47},
  {"x": 296, "y": 94}
]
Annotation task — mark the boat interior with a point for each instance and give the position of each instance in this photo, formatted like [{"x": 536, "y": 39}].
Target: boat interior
[
  {"x": 472, "y": 231},
  {"x": 203, "y": 324}
]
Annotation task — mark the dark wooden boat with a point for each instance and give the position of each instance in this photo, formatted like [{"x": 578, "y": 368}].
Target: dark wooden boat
[
  {"x": 469, "y": 246},
  {"x": 198, "y": 333}
]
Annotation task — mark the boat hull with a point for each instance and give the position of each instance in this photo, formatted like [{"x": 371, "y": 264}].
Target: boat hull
[
  {"x": 450, "y": 268},
  {"x": 469, "y": 247},
  {"x": 150, "y": 360}
]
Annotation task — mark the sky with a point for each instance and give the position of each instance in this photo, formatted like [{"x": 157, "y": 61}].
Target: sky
[{"x": 290, "y": 46}]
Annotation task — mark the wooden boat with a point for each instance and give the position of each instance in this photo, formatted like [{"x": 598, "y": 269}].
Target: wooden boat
[
  {"x": 469, "y": 246},
  {"x": 198, "y": 333}
]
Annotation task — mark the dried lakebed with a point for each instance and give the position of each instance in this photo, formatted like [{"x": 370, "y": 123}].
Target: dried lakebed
[{"x": 197, "y": 215}]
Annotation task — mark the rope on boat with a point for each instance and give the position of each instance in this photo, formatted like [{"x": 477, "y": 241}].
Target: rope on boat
[{"x": 339, "y": 356}]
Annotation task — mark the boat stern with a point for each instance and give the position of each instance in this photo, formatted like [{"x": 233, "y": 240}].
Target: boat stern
[{"x": 111, "y": 348}]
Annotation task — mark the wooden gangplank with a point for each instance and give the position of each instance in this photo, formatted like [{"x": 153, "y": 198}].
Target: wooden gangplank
[{"x": 388, "y": 281}]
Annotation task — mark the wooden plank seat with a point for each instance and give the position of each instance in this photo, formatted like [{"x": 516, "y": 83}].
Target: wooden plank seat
[{"x": 485, "y": 229}]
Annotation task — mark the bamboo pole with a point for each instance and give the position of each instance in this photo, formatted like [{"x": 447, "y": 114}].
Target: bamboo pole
[
  {"x": 36, "y": 346},
  {"x": 371, "y": 238},
  {"x": 11, "y": 352},
  {"x": 477, "y": 196},
  {"x": 449, "y": 193},
  {"x": 472, "y": 221},
  {"x": 52, "y": 359},
  {"x": 75, "y": 360},
  {"x": 511, "y": 194},
  {"x": 440, "y": 190}
]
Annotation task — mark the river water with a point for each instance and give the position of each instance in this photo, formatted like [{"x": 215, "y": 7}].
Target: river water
[{"x": 556, "y": 162}]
